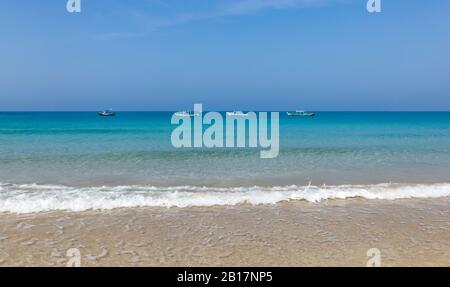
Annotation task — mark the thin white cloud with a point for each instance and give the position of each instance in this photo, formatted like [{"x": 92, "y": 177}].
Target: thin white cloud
[
  {"x": 251, "y": 6},
  {"x": 214, "y": 9},
  {"x": 235, "y": 8}
]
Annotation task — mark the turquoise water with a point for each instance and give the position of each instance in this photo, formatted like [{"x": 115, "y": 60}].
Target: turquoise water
[
  {"x": 79, "y": 161},
  {"x": 135, "y": 148},
  {"x": 81, "y": 149}
]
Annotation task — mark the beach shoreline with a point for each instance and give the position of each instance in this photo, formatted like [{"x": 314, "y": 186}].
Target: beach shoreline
[{"x": 407, "y": 232}]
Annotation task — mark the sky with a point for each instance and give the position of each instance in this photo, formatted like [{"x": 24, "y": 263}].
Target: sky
[{"x": 316, "y": 55}]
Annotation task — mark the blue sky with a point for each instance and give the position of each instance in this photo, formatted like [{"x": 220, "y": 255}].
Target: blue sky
[{"x": 226, "y": 54}]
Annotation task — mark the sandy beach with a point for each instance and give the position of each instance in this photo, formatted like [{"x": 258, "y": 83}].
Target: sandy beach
[{"x": 408, "y": 232}]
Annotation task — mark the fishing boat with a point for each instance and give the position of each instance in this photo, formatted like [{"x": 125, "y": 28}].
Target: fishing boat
[
  {"x": 187, "y": 114},
  {"x": 107, "y": 113},
  {"x": 300, "y": 114},
  {"x": 237, "y": 114}
]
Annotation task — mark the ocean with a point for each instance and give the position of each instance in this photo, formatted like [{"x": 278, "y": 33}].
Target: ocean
[{"x": 79, "y": 161}]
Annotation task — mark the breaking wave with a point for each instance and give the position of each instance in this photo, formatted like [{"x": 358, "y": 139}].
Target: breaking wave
[{"x": 29, "y": 198}]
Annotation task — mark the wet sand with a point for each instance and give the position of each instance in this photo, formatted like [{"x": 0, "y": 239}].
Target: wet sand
[{"x": 332, "y": 233}]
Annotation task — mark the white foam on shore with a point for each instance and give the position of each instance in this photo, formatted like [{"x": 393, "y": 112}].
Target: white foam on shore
[{"x": 29, "y": 198}]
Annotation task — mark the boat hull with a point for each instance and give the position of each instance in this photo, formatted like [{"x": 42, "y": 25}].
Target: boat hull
[
  {"x": 237, "y": 115},
  {"x": 301, "y": 115}
]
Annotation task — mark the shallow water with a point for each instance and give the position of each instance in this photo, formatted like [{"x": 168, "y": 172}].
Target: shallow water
[
  {"x": 413, "y": 232},
  {"x": 81, "y": 151}
]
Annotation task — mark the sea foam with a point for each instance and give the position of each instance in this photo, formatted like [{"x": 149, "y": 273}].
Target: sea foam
[{"x": 29, "y": 198}]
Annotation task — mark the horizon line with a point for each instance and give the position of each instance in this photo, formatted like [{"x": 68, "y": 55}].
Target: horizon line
[{"x": 205, "y": 111}]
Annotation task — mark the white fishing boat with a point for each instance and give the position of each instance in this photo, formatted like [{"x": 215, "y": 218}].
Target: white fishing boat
[
  {"x": 300, "y": 113},
  {"x": 107, "y": 113},
  {"x": 186, "y": 114},
  {"x": 237, "y": 114}
]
